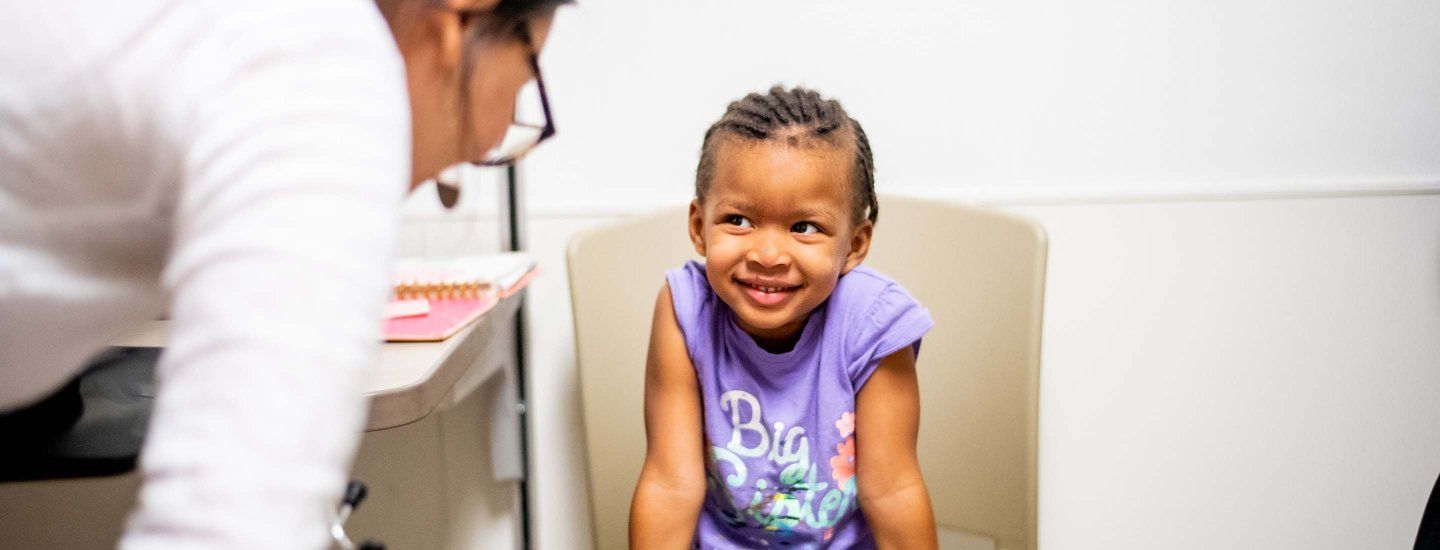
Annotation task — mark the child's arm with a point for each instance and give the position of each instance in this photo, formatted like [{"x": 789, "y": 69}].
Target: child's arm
[
  {"x": 891, "y": 491},
  {"x": 671, "y": 489}
]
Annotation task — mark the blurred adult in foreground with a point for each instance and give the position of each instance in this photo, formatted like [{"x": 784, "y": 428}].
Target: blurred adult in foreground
[{"x": 240, "y": 166}]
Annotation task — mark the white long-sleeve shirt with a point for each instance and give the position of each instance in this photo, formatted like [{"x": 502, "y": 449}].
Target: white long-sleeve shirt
[{"x": 241, "y": 166}]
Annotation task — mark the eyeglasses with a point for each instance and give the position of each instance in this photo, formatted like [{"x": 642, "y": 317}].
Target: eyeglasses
[{"x": 522, "y": 136}]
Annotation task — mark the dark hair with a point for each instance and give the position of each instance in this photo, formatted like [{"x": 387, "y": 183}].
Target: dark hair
[
  {"x": 506, "y": 18},
  {"x": 510, "y": 15},
  {"x": 794, "y": 113}
]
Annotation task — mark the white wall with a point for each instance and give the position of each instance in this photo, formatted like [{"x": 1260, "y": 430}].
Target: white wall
[
  {"x": 1219, "y": 371},
  {"x": 1240, "y": 374},
  {"x": 1016, "y": 98}
]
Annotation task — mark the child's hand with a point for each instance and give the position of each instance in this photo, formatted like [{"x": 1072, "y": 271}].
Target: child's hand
[{"x": 891, "y": 491}]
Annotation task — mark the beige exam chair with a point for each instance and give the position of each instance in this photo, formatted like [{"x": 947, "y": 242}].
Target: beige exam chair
[{"x": 980, "y": 272}]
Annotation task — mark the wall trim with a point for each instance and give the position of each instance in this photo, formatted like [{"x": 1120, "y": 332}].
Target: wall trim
[{"x": 619, "y": 206}]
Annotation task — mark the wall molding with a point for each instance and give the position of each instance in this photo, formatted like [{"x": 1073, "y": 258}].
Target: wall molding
[{"x": 1002, "y": 196}]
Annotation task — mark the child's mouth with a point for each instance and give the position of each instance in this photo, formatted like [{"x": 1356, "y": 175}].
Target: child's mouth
[{"x": 768, "y": 294}]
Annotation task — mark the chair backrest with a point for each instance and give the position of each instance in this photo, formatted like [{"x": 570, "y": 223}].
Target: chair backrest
[{"x": 979, "y": 272}]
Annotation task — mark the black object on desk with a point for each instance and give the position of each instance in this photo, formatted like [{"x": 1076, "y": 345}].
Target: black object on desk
[{"x": 94, "y": 426}]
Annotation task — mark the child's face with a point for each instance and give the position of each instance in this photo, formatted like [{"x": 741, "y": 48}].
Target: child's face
[{"x": 777, "y": 232}]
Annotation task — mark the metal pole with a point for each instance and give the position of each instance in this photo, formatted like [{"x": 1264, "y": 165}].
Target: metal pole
[{"x": 516, "y": 242}]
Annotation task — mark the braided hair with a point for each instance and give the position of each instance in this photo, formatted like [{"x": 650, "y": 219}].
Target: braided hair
[{"x": 793, "y": 114}]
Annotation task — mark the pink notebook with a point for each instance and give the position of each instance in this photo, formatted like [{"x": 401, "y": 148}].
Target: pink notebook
[{"x": 446, "y": 317}]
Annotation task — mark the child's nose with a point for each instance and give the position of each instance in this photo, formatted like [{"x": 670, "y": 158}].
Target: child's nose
[{"x": 769, "y": 251}]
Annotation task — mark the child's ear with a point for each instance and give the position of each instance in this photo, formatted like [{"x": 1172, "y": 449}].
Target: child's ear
[
  {"x": 697, "y": 226},
  {"x": 859, "y": 245}
]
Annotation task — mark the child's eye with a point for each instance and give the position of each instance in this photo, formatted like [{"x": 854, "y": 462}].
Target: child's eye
[
  {"x": 805, "y": 228},
  {"x": 737, "y": 220}
]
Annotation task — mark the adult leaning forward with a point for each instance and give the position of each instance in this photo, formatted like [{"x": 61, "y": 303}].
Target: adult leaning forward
[{"x": 240, "y": 166}]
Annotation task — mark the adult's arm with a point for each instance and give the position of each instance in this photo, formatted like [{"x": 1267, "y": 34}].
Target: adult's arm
[{"x": 293, "y": 123}]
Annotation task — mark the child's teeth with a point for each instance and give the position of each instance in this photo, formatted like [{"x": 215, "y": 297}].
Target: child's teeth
[{"x": 767, "y": 289}]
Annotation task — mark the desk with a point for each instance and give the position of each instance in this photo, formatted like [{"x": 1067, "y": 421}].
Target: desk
[
  {"x": 410, "y": 378},
  {"x": 439, "y": 476}
]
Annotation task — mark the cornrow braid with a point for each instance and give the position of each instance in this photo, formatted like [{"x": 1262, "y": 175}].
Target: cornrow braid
[{"x": 794, "y": 114}]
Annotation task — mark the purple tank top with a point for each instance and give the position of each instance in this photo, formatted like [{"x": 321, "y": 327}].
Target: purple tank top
[{"x": 780, "y": 428}]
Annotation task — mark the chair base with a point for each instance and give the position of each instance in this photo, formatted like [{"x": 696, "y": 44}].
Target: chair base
[{"x": 93, "y": 427}]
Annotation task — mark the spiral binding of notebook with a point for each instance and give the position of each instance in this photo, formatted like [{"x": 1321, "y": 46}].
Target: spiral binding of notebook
[
  {"x": 418, "y": 288},
  {"x": 460, "y": 277}
]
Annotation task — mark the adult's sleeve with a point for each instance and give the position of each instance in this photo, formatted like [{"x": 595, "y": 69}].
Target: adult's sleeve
[{"x": 296, "y": 157}]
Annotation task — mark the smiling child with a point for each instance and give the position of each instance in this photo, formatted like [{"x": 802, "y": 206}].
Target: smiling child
[{"x": 781, "y": 404}]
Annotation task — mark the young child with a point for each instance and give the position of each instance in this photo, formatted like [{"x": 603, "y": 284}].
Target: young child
[{"x": 781, "y": 404}]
